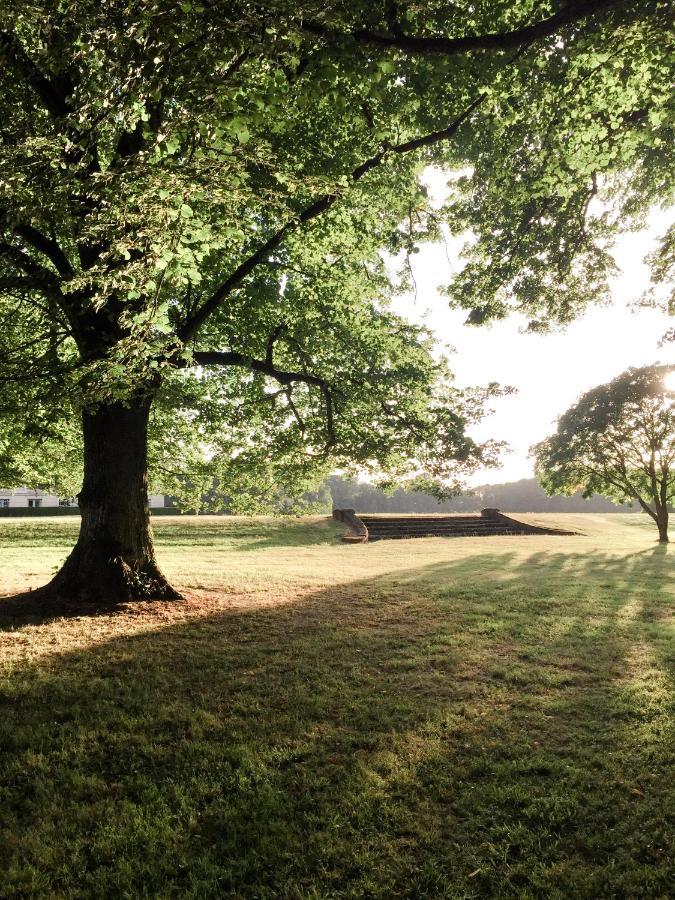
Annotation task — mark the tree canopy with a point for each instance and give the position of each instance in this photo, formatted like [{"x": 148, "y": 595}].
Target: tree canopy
[
  {"x": 618, "y": 440},
  {"x": 199, "y": 202}
]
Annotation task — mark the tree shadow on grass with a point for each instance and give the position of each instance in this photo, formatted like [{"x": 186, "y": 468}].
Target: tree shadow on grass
[
  {"x": 30, "y": 608},
  {"x": 488, "y": 727}
]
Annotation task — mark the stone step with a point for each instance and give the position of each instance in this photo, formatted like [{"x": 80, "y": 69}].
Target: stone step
[
  {"x": 415, "y": 537},
  {"x": 459, "y": 520},
  {"x": 439, "y": 524},
  {"x": 374, "y": 529},
  {"x": 386, "y": 525},
  {"x": 393, "y": 535}
]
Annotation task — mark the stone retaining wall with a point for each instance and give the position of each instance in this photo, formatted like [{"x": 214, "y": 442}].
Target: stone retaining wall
[{"x": 357, "y": 532}]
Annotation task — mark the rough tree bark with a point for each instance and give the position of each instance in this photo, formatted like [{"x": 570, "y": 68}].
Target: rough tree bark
[
  {"x": 113, "y": 560},
  {"x": 662, "y": 524}
]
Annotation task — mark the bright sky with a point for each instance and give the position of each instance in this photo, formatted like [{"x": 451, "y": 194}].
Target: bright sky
[{"x": 549, "y": 371}]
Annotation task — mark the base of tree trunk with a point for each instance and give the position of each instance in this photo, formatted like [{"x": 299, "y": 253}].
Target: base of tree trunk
[
  {"x": 98, "y": 578},
  {"x": 113, "y": 561}
]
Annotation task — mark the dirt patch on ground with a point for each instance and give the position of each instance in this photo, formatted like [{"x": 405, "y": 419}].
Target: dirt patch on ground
[{"x": 31, "y": 628}]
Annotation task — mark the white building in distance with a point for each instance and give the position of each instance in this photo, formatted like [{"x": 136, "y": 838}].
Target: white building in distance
[{"x": 30, "y": 498}]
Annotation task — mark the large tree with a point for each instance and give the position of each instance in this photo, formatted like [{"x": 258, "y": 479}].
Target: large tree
[
  {"x": 194, "y": 201},
  {"x": 618, "y": 440}
]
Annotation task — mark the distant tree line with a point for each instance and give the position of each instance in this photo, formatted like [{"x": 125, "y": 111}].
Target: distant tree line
[
  {"x": 525, "y": 495},
  {"x": 338, "y": 492}
]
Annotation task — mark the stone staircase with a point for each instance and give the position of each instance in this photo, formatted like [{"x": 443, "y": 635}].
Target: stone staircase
[
  {"x": 388, "y": 527},
  {"x": 489, "y": 523}
]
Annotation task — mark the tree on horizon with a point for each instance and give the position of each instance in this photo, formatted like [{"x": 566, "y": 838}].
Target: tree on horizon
[{"x": 618, "y": 440}]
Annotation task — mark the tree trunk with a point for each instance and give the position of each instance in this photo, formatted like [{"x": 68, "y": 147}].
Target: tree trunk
[
  {"x": 113, "y": 560},
  {"x": 662, "y": 523}
]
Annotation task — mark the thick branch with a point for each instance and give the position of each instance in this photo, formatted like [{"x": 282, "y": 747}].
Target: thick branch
[
  {"x": 25, "y": 285},
  {"x": 230, "y": 358},
  {"x": 47, "y": 246},
  {"x": 627, "y": 483},
  {"x": 269, "y": 355},
  {"x": 626, "y": 487},
  {"x": 23, "y": 262},
  {"x": 447, "y": 46},
  {"x": 313, "y": 211}
]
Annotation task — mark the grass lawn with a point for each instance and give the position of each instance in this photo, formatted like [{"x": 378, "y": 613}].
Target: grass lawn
[{"x": 427, "y": 718}]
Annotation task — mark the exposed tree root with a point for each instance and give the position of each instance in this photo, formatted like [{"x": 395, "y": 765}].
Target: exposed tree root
[
  {"x": 88, "y": 582},
  {"x": 109, "y": 582}
]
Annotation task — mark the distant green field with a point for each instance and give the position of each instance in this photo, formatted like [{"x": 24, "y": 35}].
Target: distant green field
[{"x": 456, "y": 718}]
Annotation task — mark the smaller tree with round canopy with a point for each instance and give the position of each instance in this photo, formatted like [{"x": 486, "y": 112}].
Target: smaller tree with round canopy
[{"x": 618, "y": 440}]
